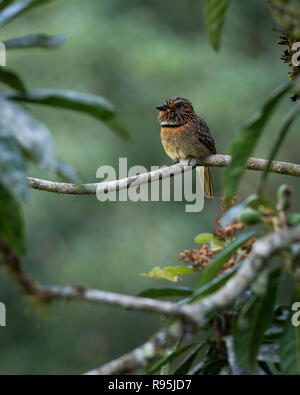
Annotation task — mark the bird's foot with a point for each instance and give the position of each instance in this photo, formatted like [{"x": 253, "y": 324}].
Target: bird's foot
[
  {"x": 192, "y": 162},
  {"x": 189, "y": 162},
  {"x": 184, "y": 162}
]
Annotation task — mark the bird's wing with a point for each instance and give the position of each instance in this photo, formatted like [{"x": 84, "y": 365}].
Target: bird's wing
[{"x": 203, "y": 134}]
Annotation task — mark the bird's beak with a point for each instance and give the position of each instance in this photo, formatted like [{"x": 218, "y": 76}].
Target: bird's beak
[{"x": 162, "y": 107}]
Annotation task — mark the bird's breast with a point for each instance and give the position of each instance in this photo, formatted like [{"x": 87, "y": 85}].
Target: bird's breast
[
  {"x": 182, "y": 143},
  {"x": 172, "y": 140}
]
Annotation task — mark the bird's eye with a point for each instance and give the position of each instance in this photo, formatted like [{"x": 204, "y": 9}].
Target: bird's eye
[{"x": 178, "y": 105}]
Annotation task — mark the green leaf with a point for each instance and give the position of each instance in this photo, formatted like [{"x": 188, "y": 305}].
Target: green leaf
[
  {"x": 5, "y": 3},
  {"x": 212, "y": 364},
  {"x": 204, "y": 238},
  {"x": 251, "y": 326},
  {"x": 250, "y": 216},
  {"x": 293, "y": 114},
  {"x": 185, "y": 366},
  {"x": 14, "y": 9},
  {"x": 293, "y": 219},
  {"x": 210, "y": 287},
  {"x": 285, "y": 14},
  {"x": 290, "y": 348},
  {"x": 32, "y": 136},
  {"x": 163, "y": 292},
  {"x": 11, "y": 221},
  {"x": 246, "y": 140},
  {"x": 95, "y": 106},
  {"x": 216, "y": 264},
  {"x": 169, "y": 358},
  {"x": 253, "y": 201},
  {"x": 66, "y": 171},
  {"x": 12, "y": 167},
  {"x": 171, "y": 273},
  {"x": 273, "y": 368},
  {"x": 233, "y": 213},
  {"x": 11, "y": 79},
  {"x": 215, "y": 12},
  {"x": 35, "y": 41}
]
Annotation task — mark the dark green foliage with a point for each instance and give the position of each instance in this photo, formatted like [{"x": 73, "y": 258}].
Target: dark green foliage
[
  {"x": 92, "y": 105},
  {"x": 247, "y": 139},
  {"x": 255, "y": 319},
  {"x": 187, "y": 363},
  {"x": 216, "y": 264},
  {"x": 11, "y": 221},
  {"x": 12, "y": 167},
  {"x": 290, "y": 348},
  {"x": 11, "y": 79},
  {"x": 13, "y": 9},
  {"x": 36, "y": 41},
  {"x": 215, "y": 12},
  {"x": 169, "y": 357},
  {"x": 291, "y": 117}
]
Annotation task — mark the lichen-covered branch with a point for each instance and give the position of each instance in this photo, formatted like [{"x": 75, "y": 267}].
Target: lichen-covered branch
[
  {"x": 190, "y": 316},
  {"x": 14, "y": 264},
  {"x": 48, "y": 293},
  {"x": 201, "y": 312},
  {"x": 141, "y": 356},
  {"x": 53, "y": 292},
  {"x": 257, "y": 164},
  {"x": 197, "y": 313},
  {"x": 262, "y": 250}
]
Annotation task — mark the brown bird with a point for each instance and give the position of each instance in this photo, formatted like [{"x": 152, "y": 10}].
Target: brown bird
[{"x": 185, "y": 135}]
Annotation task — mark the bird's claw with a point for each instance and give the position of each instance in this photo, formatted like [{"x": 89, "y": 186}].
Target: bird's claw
[
  {"x": 189, "y": 162},
  {"x": 192, "y": 162}
]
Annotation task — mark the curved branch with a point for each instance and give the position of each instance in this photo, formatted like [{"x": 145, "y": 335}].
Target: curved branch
[
  {"x": 141, "y": 356},
  {"x": 49, "y": 293},
  {"x": 199, "y": 313},
  {"x": 262, "y": 250},
  {"x": 52, "y": 292},
  {"x": 257, "y": 164}
]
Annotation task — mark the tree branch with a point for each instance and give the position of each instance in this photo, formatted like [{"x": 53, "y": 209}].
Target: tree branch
[
  {"x": 52, "y": 292},
  {"x": 48, "y": 293},
  {"x": 197, "y": 313},
  {"x": 201, "y": 312},
  {"x": 142, "y": 356},
  {"x": 262, "y": 250},
  {"x": 191, "y": 316},
  {"x": 257, "y": 164}
]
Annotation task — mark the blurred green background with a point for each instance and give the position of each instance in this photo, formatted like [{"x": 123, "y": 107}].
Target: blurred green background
[{"x": 134, "y": 53}]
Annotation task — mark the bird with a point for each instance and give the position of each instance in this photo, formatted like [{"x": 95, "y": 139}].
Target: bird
[{"x": 186, "y": 136}]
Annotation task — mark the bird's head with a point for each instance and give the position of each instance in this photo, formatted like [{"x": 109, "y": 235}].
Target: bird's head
[{"x": 175, "y": 111}]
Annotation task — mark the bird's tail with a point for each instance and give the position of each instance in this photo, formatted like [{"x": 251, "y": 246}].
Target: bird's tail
[{"x": 205, "y": 180}]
